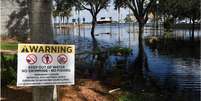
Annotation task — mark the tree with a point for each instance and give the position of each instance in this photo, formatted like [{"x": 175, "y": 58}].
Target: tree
[
  {"x": 128, "y": 19},
  {"x": 63, "y": 9},
  {"x": 140, "y": 9},
  {"x": 170, "y": 11},
  {"x": 94, "y": 7},
  {"x": 181, "y": 9},
  {"x": 193, "y": 12},
  {"x": 41, "y": 32},
  {"x": 17, "y": 24}
]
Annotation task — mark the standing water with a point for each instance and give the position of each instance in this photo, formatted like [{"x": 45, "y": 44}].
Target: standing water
[{"x": 173, "y": 59}]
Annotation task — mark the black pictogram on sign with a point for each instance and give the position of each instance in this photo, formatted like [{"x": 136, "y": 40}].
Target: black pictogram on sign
[
  {"x": 31, "y": 59},
  {"x": 62, "y": 58},
  {"x": 47, "y": 59}
]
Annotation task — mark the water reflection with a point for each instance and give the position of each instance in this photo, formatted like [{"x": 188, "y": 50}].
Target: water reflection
[
  {"x": 181, "y": 64},
  {"x": 137, "y": 68},
  {"x": 173, "y": 63}
]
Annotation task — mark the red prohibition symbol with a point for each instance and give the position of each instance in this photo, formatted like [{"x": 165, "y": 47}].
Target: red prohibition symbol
[
  {"x": 62, "y": 59},
  {"x": 47, "y": 59},
  {"x": 31, "y": 59}
]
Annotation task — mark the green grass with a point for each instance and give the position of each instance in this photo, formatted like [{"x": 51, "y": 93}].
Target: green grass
[
  {"x": 139, "y": 97},
  {"x": 9, "y": 57},
  {"x": 8, "y": 69},
  {"x": 8, "y": 46}
]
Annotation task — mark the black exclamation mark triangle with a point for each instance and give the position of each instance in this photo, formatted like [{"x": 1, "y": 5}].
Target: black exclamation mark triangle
[{"x": 25, "y": 49}]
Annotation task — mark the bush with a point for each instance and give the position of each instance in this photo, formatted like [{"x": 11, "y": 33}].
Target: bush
[
  {"x": 120, "y": 51},
  {"x": 8, "y": 69},
  {"x": 168, "y": 24}
]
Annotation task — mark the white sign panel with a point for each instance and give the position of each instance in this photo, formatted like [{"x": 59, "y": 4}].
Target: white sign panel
[{"x": 45, "y": 64}]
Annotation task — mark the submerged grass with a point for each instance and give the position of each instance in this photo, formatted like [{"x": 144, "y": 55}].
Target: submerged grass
[
  {"x": 154, "y": 96},
  {"x": 145, "y": 96},
  {"x": 116, "y": 50}
]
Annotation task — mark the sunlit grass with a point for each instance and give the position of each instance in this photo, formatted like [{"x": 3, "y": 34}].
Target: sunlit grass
[{"x": 8, "y": 46}]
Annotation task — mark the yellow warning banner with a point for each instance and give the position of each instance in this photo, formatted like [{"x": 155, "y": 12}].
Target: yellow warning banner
[{"x": 45, "y": 48}]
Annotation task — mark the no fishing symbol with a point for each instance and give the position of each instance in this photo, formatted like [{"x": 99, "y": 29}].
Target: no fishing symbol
[
  {"x": 62, "y": 59},
  {"x": 31, "y": 59},
  {"x": 47, "y": 59}
]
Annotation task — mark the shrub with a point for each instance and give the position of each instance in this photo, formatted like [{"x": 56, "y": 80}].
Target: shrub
[
  {"x": 8, "y": 69},
  {"x": 120, "y": 51}
]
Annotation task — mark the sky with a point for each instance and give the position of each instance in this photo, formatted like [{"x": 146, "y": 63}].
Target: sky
[{"x": 109, "y": 12}]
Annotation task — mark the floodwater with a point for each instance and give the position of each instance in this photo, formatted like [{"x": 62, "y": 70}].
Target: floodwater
[{"x": 173, "y": 63}]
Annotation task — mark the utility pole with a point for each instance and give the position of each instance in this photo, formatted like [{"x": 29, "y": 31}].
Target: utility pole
[{"x": 41, "y": 30}]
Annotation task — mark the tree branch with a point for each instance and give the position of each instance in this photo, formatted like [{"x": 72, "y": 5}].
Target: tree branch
[
  {"x": 133, "y": 8},
  {"x": 148, "y": 7}
]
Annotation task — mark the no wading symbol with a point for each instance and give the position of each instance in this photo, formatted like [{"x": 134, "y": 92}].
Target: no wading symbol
[
  {"x": 47, "y": 59},
  {"x": 31, "y": 59},
  {"x": 62, "y": 58}
]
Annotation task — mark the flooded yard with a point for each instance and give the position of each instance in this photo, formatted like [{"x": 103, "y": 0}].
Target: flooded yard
[{"x": 167, "y": 63}]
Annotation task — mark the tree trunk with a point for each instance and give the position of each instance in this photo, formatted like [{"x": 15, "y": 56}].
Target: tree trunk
[
  {"x": 138, "y": 68},
  {"x": 140, "y": 40},
  {"x": 94, "y": 20},
  {"x": 141, "y": 30},
  {"x": 41, "y": 32},
  {"x": 59, "y": 20},
  {"x": 67, "y": 20},
  {"x": 63, "y": 20},
  {"x": 193, "y": 28}
]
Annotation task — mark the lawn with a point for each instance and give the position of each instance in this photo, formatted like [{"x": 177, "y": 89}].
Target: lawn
[{"x": 8, "y": 46}]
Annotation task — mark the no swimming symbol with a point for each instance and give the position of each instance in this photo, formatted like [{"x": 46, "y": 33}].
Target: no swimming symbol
[{"x": 31, "y": 59}]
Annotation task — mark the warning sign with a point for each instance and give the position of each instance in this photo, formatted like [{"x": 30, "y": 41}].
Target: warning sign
[
  {"x": 62, "y": 58},
  {"x": 45, "y": 64},
  {"x": 47, "y": 59},
  {"x": 31, "y": 58}
]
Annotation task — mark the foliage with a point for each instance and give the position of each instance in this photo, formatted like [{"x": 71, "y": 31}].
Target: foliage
[
  {"x": 18, "y": 21},
  {"x": 140, "y": 8},
  {"x": 180, "y": 8},
  {"x": 120, "y": 51},
  {"x": 93, "y": 6},
  {"x": 63, "y": 8},
  {"x": 173, "y": 10},
  {"x": 168, "y": 23},
  {"x": 128, "y": 19},
  {"x": 8, "y": 69},
  {"x": 120, "y": 3}
]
